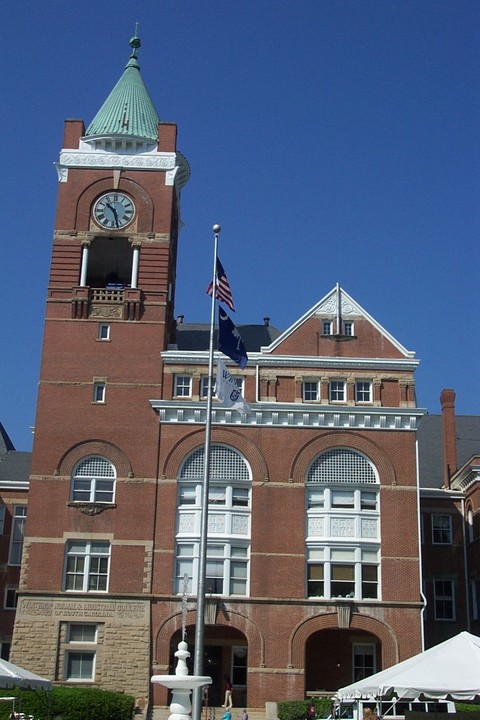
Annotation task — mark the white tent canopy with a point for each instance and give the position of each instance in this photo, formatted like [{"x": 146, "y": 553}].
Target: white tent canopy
[
  {"x": 448, "y": 671},
  {"x": 13, "y": 676}
]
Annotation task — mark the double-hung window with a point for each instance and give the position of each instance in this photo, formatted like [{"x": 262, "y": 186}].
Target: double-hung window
[
  {"x": 229, "y": 517},
  {"x": 80, "y": 652},
  {"x": 441, "y": 529},
  {"x": 363, "y": 391},
  {"x": 337, "y": 390},
  {"x": 16, "y": 537},
  {"x": 99, "y": 392},
  {"x": 93, "y": 480},
  {"x": 310, "y": 390},
  {"x": 444, "y": 599},
  {"x": 183, "y": 386},
  {"x": 87, "y": 565},
  {"x": 363, "y": 660}
]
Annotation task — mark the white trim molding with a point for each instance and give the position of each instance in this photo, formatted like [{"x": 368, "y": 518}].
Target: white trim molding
[{"x": 289, "y": 415}]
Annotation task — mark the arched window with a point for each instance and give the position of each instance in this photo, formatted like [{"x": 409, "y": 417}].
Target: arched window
[
  {"x": 342, "y": 526},
  {"x": 93, "y": 480},
  {"x": 229, "y": 512}
]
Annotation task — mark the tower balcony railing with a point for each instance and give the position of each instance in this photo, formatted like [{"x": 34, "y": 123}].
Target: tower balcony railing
[{"x": 122, "y": 303}]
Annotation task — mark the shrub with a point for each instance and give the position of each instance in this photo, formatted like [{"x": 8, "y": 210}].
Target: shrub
[
  {"x": 298, "y": 709},
  {"x": 70, "y": 703}
]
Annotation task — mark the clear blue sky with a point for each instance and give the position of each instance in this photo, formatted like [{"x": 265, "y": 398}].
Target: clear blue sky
[{"x": 333, "y": 140}]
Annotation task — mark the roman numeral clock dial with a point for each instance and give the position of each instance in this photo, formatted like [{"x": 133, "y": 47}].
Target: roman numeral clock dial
[{"x": 113, "y": 211}]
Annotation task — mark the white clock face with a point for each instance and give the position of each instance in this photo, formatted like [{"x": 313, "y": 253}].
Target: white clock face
[{"x": 114, "y": 210}]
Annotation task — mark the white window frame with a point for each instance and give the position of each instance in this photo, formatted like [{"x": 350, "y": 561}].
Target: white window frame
[
  {"x": 80, "y": 655},
  {"x": 330, "y": 582},
  {"x": 364, "y": 650},
  {"x": 348, "y": 328},
  {"x": 311, "y": 390},
  {"x": 94, "y": 487},
  {"x": 229, "y": 521},
  {"x": 363, "y": 392},
  {"x": 81, "y": 568},
  {"x": 442, "y": 529},
  {"x": 16, "y": 536},
  {"x": 441, "y": 599},
  {"x": 239, "y": 380},
  {"x": 99, "y": 393},
  {"x": 227, "y": 568},
  {"x": 103, "y": 332},
  {"x": 83, "y": 641},
  {"x": 471, "y": 535},
  {"x": 183, "y": 386},
  {"x": 343, "y": 526},
  {"x": 337, "y": 391},
  {"x": 327, "y": 327}
]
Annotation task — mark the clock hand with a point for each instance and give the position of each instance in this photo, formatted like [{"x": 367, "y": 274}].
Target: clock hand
[{"x": 115, "y": 214}]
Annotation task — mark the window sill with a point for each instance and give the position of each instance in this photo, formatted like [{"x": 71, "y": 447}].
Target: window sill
[{"x": 91, "y": 508}]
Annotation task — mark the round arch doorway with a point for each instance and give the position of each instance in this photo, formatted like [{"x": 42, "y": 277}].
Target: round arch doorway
[
  {"x": 337, "y": 657},
  {"x": 225, "y": 655}
]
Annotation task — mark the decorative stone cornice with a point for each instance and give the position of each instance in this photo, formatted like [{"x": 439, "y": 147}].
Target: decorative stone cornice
[
  {"x": 306, "y": 363},
  {"x": 282, "y": 415},
  {"x": 143, "y": 161}
]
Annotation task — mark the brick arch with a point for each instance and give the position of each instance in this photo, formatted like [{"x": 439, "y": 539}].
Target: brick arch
[
  {"x": 225, "y": 436},
  {"x": 255, "y": 639},
  {"x": 329, "y": 621},
  {"x": 95, "y": 447},
  {"x": 90, "y": 193},
  {"x": 351, "y": 440}
]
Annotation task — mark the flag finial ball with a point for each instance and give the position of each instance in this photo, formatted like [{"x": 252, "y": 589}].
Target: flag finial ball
[{"x": 216, "y": 229}]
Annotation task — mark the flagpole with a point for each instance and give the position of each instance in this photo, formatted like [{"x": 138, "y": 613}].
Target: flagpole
[{"x": 202, "y": 561}]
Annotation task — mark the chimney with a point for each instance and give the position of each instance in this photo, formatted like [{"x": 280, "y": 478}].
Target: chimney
[
  {"x": 447, "y": 400},
  {"x": 180, "y": 319},
  {"x": 266, "y": 321}
]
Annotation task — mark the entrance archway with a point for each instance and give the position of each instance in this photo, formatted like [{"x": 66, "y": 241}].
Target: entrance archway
[
  {"x": 225, "y": 655},
  {"x": 336, "y": 657}
]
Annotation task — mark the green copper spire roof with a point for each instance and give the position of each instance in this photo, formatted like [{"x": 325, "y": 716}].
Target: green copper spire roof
[{"x": 129, "y": 109}]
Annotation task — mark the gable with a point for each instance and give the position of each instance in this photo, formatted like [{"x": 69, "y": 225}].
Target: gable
[{"x": 352, "y": 333}]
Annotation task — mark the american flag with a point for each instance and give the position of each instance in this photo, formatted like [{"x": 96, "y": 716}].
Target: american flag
[{"x": 224, "y": 294}]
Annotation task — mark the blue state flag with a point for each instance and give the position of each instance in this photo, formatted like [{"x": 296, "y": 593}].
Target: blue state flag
[{"x": 230, "y": 342}]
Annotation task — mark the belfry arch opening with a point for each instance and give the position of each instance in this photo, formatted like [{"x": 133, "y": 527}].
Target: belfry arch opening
[{"x": 109, "y": 262}]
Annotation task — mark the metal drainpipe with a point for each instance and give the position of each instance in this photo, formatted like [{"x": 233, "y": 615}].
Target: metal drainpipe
[{"x": 465, "y": 567}]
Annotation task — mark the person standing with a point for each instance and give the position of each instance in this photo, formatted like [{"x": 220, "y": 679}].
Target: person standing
[{"x": 228, "y": 704}]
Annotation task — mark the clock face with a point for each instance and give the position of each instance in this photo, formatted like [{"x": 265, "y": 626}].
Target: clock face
[{"x": 114, "y": 210}]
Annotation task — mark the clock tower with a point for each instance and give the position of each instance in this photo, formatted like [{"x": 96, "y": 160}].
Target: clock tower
[{"x": 109, "y": 316}]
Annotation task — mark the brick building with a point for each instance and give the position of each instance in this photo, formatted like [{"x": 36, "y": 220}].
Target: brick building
[{"x": 314, "y": 565}]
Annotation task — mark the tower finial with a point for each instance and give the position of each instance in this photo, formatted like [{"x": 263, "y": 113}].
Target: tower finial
[{"x": 135, "y": 42}]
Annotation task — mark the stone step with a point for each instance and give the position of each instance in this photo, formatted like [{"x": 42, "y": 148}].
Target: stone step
[{"x": 212, "y": 713}]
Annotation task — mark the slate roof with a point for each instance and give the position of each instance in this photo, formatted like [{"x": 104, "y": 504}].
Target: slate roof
[
  {"x": 14, "y": 466},
  {"x": 129, "y": 109},
  {"x": 196, "y": 336},
  {"x": 430, "y": 446},
  {"x": 5, "y": 442},
  {"x": 15, "y": 469}
]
